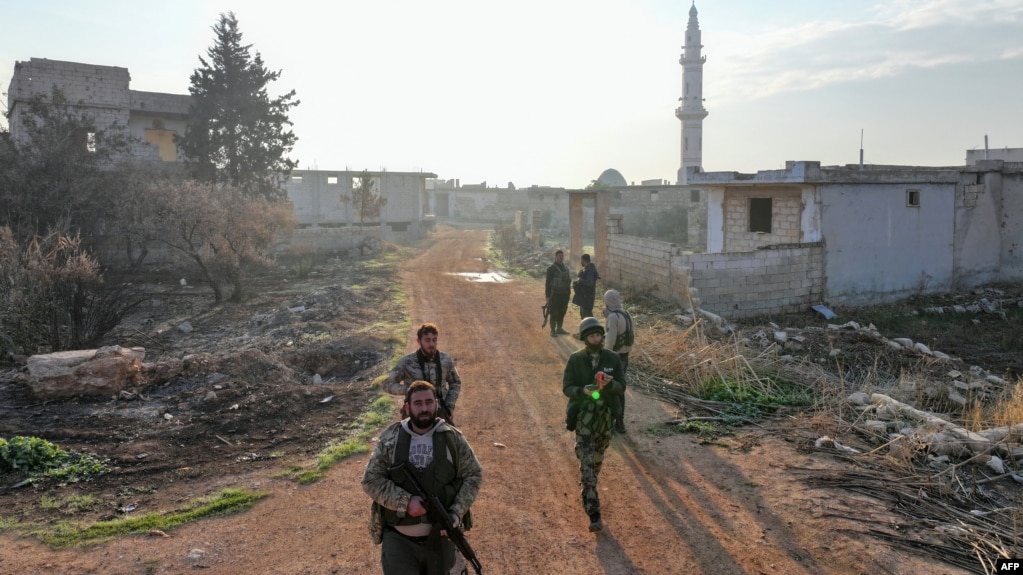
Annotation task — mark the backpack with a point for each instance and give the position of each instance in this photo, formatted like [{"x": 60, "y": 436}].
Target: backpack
[{"x": 627, "y": 337}]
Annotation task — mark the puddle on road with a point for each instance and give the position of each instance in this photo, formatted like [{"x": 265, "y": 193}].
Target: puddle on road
[{"x": 484, "y": 277}]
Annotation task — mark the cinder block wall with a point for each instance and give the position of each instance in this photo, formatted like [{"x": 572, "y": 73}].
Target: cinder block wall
[
  {"x": 784, "y": 220},
  {"x": 640, "y": 263},
  {"x": 99, "y": 91},
  {"x": 782, "y": 279}
]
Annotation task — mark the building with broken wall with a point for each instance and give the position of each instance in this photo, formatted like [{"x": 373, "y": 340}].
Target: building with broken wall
[
  {"x": 782, "y": 240},
  {"x": 154, "y": 118},
  {"x": 102, "y": 92}
]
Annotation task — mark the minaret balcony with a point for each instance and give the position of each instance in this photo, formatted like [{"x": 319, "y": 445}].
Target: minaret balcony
[{"x": 692, "y": 112}]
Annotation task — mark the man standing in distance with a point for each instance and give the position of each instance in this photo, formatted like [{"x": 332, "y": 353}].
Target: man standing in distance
[
  {"x": 593, "y": 380},
  {"x": 558, "y": 289},
  {"x": 586, "y": 287},
  {"x": 428, "y": 364},
  {"x": 448, "y": 468}
]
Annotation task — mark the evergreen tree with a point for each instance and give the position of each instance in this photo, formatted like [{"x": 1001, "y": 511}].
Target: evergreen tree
[{"x": 236, "y": 134}]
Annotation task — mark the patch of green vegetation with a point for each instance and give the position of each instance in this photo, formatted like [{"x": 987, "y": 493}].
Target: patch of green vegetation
[
  {"x": 380, "y": 412},
  {"x": 71, "y": 534},
  {"x": 303, "y": 267},
  {"x": 743, "y": 403},
  {"x": 38, "y": 458},
  {"x": 70, "y": 505},
  {"x": 754, "y": 399},
  {"x": 310, "y": 339},
  {"x": 133, "y": 491}
]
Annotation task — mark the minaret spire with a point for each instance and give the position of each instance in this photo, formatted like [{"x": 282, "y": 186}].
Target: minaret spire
[{"x": 691, "y": 111}]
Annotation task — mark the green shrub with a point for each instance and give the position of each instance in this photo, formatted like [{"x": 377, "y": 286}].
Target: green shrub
[
  {"x": 29, "y": 455},
  {"x": 33, "y": 456}
]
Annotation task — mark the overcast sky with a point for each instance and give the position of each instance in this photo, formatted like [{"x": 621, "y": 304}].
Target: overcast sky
[{"x": 552, "y": 92}]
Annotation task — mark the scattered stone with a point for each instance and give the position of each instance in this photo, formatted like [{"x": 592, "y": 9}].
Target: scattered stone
[
  {"x": 996, "y": 464},
  {"x": 859, "y": 398}
]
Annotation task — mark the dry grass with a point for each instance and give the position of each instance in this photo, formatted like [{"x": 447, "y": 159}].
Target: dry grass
[{"x": 1005, "y": 410}]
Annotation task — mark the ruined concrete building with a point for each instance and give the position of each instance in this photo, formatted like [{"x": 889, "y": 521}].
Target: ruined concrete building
[
  {"x": 102, "y": 92},
  {"x": 326, "y": 223}
]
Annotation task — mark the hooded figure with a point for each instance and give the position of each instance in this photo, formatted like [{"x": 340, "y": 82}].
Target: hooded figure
[{"x": 618, "y": 337}]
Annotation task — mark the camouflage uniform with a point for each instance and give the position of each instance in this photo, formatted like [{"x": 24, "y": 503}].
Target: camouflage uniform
[
  {"x": 410, "y": 368},
  {"x": 377, "y": 483},
  {"x": 595, "y": 419}
]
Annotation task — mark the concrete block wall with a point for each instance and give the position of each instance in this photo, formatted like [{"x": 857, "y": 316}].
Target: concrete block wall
[
  {"x": 102, "y": 91},
  {"x": 785, "y": 215},
  {"x": 640, "y": 263},
  {"x": 782, "y": 279}
]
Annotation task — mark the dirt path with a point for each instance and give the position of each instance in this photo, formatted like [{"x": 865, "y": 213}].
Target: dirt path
[{"x": 671, "y": 504}]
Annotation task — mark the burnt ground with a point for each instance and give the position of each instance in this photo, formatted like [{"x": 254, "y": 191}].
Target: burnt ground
[
  {"x": 244, "y": 408},
  {"x": 233, "y": 394}
]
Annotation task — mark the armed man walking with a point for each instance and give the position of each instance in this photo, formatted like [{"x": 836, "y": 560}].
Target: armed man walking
[
  {"x": 419, "y": 454},
  {"x": 428, "y": 364},
  {"x": 593, "y": 380},
  {"x": 558, "y": 289},
  {"x": 619, "y": 337}
]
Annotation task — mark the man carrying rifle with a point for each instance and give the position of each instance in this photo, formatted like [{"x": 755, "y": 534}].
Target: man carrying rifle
[
  {"x": 443, "y": 467},
  {"x": 429, "y": 364}
]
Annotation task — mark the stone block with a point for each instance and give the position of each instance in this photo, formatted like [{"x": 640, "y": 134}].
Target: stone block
[{"x": 101, "y": 372}]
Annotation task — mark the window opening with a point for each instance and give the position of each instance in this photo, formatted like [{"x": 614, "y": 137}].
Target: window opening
[{"x": 760, "y": 215}]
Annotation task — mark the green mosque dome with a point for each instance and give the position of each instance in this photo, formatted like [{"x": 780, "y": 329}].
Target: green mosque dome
[{"x": 612, "y": 178}]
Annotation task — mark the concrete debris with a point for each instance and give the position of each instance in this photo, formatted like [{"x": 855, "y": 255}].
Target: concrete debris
[
  {"x": 102, "y": 372},
  {"x": 824, "y": 311},
  {"x": 825, "y": 442}
]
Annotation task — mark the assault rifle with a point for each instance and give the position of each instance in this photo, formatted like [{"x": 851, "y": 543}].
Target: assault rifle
[
  {"x": 546, "y": 313},
  {"x": 438, "y": 513}
]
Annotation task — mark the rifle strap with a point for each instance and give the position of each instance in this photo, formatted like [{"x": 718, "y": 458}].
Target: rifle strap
[{"x": 437, "y": 370}]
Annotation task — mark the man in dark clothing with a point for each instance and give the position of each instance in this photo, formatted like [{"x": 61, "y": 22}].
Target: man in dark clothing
[
  {"x": 558, "y": 289},
  {"x": 593, "y": 379},
  {"x": 586, "y": 287}
]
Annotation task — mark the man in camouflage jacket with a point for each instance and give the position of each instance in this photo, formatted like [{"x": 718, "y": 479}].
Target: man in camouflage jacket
[
  {"x": 428, "y": 364},
  {"x": 593, "y": 381},
  {"x": 399, "y": 520}
]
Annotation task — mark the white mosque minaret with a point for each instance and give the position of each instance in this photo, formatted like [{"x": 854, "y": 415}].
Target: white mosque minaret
[{"x": 691, "y": 111}]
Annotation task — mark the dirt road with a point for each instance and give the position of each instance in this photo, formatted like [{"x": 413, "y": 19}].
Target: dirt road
[{"x": 671, "y": 504}]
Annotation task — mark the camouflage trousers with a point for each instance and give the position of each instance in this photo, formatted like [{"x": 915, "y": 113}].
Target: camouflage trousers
[{"x": 590, "y": 443}]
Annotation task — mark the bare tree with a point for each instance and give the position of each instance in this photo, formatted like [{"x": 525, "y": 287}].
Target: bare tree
[
  {"x": 366, "y": 201},
  {"x": 219, "y": 229}
]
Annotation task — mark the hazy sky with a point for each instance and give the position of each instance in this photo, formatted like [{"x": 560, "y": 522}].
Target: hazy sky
[{"x": 552, "y": 92}]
